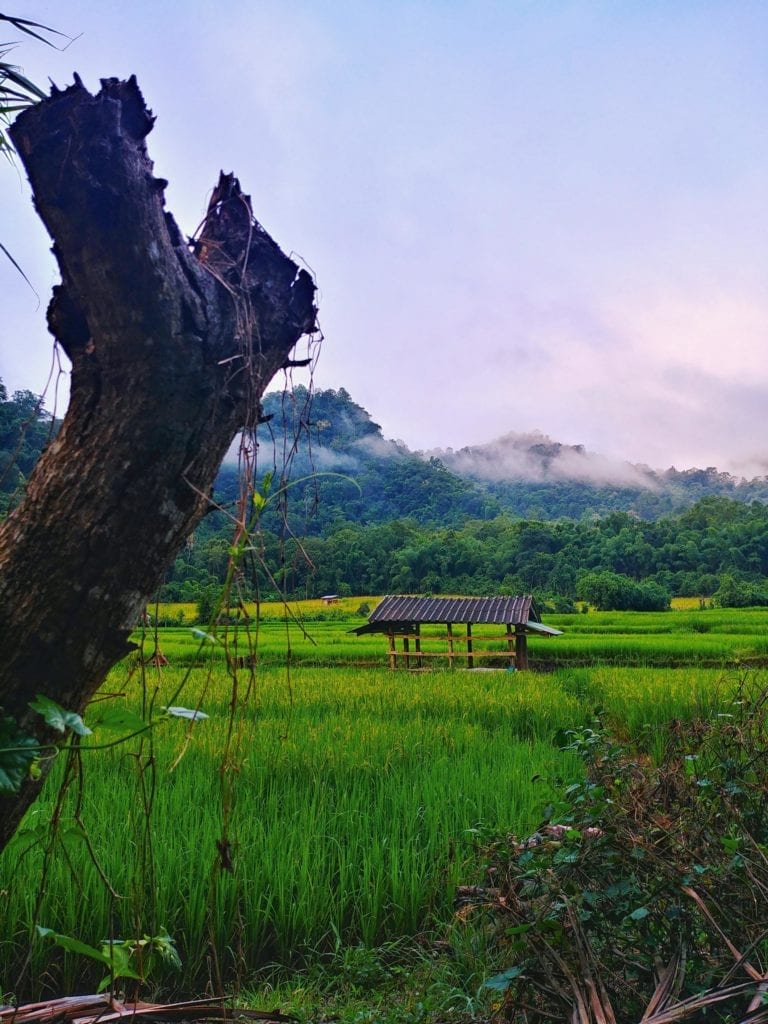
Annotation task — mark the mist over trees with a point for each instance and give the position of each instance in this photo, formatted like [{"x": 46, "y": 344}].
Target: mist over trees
[
  {"x": 386, "y": 519},
  {"x": 525, "y": 476}
]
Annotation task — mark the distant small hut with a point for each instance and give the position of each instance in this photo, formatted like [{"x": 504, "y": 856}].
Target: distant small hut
[
  {"x": 330, "y": 598},
  {"x": 463, "y": 630}
]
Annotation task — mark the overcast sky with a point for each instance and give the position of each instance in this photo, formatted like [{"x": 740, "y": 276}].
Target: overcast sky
[{"x": 521, "y": 215}]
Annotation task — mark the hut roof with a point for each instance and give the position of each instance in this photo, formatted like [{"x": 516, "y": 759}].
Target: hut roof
[{"x": 407, "y": 610}]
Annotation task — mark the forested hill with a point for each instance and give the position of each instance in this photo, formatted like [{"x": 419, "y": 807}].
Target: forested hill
[
  {"x": 356, "y": 475},
  {"x": 349, "y": 472},
  {"x": 344, "y": 470},
  {"x": 374, "y": 517}
]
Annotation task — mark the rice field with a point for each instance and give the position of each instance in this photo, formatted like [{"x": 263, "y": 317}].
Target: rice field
[
  {"x": 713, "y": 637},
  {"x": 340, "y": 805},
  {"x": 708, "y": 638}
]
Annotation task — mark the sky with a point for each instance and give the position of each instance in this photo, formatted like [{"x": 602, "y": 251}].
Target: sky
[{"x": 521, "y": 214}]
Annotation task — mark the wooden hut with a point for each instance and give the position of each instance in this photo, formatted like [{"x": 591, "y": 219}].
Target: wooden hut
[{"x": 463, "y": 630}]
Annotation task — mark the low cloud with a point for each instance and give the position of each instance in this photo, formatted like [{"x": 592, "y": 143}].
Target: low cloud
[
  {"x": 381, "y": 447},
  {"x": 326, "y": 460},
  {"x": 535, "y": 457}
]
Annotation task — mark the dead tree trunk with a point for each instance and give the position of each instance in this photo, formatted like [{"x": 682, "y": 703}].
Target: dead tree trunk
[{"x": 171, "y": 346}]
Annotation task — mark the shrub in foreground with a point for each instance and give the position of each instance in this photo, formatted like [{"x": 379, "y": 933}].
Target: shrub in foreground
[{"x": 645, "y": 893}]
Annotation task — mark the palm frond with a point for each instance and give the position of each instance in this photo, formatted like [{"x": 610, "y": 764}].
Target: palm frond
[
  {"x": 10, "y": 257},
  {"x": 16, "y": 90},
  {"x": 28, "y": 27},
  {"x": 10, "y": 73}
]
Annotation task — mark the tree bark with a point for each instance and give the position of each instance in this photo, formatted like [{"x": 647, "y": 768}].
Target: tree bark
[{"x": 172, "y": 345}]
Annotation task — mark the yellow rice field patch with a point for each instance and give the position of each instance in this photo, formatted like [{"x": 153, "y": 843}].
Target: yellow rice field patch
[{"x": 687, "y": 604}]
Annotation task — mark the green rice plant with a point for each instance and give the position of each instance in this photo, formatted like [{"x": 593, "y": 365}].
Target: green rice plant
[
  {"x": 731, "y": 620},
  {"x": 355, "y": 800},
  {"x": 649, "y": 650}
]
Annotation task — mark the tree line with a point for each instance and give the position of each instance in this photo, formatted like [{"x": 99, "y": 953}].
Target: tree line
[{"x": 717, "y": 548}]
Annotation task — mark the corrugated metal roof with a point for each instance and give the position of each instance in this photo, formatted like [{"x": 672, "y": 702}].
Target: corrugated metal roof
[{"x": 405, "y": 608}]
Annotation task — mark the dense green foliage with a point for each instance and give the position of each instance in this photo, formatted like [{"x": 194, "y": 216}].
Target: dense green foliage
[
  {"x": 25, "y": 428},
  {"x": 740, "y": 593},
  {"x": 613, "y": 591},
  {"x": 686, "y": 554},
  {"x": 373, "y": 791},
  {"x": 642, "y": 866}
]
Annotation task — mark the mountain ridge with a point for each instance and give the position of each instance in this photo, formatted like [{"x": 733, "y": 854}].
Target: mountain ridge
[{"x": 524, "y": 474}]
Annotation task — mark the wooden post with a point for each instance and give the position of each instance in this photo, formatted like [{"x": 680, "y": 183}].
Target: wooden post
[
  {"x": 419, "y": 660},
  {"x": 406, "y": 649},
  {"x": 470, "y": 659},
  {"x": 511, "y": 645},
  {"x": 392, "y": 650},
  {"x": 522, "y": 648},
  {"x": 450, "y": 645}
]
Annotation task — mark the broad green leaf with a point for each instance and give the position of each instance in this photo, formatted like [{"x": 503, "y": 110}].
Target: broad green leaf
[
  {"x": 59, "y": 719},
  {"x": 115, "y": 957},
  {"x": 519, "y": 929},
  {"x": 73, "y": 945},
  {"x": 73, "y": 836},
  {"x": 18, "y": 753},
  {"x": 618, "y": 889},
  {"x": 33, "y": 834},
  {"x": 118, "y": 954},
  {"x": 115, "y": 718},
  {"x": 501, "y": 982},
  {"x": 566, "y": 855},
  {"x": 639, "y": 914}
]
